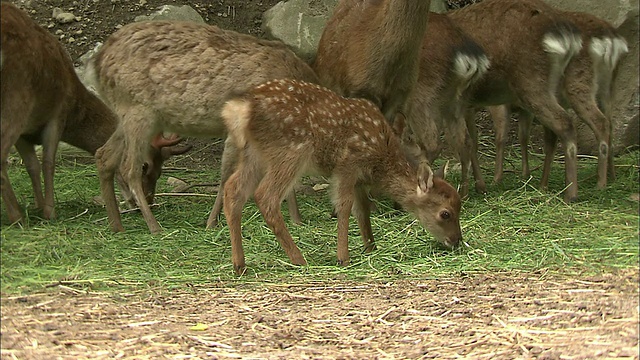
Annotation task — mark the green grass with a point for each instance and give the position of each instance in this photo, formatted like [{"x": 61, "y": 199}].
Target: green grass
[{"x": 515, "y": 227}]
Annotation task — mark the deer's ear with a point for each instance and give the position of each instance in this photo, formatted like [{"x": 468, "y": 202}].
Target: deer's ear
[
  {"x": 425, "y": 178},
  {"x": 442, "y": 172}
]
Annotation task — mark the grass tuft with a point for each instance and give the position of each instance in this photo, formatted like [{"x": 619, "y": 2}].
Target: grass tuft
[{"x": 515, "y": 227}]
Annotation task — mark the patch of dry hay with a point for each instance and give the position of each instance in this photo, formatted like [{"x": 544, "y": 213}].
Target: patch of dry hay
[{"x": 484, "y": 316}]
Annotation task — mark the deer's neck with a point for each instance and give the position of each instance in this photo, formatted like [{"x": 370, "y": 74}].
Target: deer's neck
[
  {"x": 90, "y": 124},
  {"x": 397, "y": 179},
  {"x": 404, "y": 21}
]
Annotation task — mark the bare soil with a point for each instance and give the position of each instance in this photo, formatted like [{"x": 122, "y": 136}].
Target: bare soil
[
  {"x": 490, "y": 316},
  {"x": 493, "y": 315}
]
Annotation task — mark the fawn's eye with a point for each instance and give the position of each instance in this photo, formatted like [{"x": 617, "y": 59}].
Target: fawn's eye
[
  {"x": 445, "y": 215},
  {"x": 145, "y": 168}
]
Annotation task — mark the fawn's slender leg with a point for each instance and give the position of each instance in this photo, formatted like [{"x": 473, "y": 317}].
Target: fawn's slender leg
[
  {"x": 237, "y": 191},
  {"x": 343, "y": 199},
  {"x": 362, "y": 211},
  {"x": 268, "y": 197},
  {"x": 229, "y": 162}
]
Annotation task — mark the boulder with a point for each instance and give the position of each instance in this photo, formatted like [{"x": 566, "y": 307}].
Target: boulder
[
  {"x": 171, "y": 12},
  {"x": 298, "y": 23},
  {"x": 614, "y": 11}
]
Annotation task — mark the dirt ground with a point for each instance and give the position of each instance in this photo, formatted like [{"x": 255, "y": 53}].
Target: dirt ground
[
  {"x": 495, "y": 315},
  {"x": 487, "y": 316}
]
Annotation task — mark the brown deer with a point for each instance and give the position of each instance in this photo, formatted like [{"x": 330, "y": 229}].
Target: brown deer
[
  {"x": 174, "y": 77},
  {"x": 587, "y": 89},
  {"x": 529, "y": 45},
  {"x": 450, "y": 63},
  {"x": 370, "y": 49},
  {"x": 44, "y": 102},
  {"x": 284, "y": 129}
]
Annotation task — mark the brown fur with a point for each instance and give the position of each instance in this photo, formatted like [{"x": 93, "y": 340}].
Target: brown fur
[
  {"x": 587, "y": 88},
  {"x": 174, "y": 77},
  {"x": 529, "y": 45},
  {"x": 450, "y": 63},
  {"x": 370, "y": 49},
  {"x": 43, "y": 102},
  {"x": 284, "y": 129}
]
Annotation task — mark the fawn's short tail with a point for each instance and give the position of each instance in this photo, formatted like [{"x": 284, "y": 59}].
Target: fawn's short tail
[{"x": 236, "y": 114}]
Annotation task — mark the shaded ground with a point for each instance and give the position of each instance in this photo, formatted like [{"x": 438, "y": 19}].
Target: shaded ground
[{"x": 505, "y": 316}]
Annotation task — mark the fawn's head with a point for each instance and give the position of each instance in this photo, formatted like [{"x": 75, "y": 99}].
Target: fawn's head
[{"x": 437, "y": 206}]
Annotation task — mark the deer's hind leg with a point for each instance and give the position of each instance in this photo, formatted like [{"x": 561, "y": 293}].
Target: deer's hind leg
[{"x": 278, "y": 182}]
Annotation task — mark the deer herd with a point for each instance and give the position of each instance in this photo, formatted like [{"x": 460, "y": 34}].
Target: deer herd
[{"x": 368, "y": 112}]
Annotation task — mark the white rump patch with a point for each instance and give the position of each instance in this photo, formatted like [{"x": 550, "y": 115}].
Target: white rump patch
[
  {"x": 562, "y": 44},
  {"x": 236, "y": 114},
  {"x": 468, "y": 67},
  {"x": 608, "y": 49}
]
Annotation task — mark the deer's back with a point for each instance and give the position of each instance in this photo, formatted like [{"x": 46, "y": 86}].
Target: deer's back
[
  {"x": 311, "y": 120},
  {"x": 187, "y": 70},
  {"x": 516, "y": 51},
  {"x": 359, "y": 48},
  {"x": 35, "y": 70}
]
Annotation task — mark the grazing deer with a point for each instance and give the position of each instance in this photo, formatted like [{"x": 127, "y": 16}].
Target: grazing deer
[
  {"x": 528, "y": 56},
  {"x": 587, "y": 88},
  {"x": 370, "y": 49},
  {"x": 286, "y": 128},
  {"x": 450, "y": 63},
  {"x": 44, "y": 102},
  {"x": 174, "y": 77}
]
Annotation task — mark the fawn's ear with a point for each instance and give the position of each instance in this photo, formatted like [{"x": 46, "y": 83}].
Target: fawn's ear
[
  {"x": 425, "y": 178},
  {"x": 442, "y": 172}
]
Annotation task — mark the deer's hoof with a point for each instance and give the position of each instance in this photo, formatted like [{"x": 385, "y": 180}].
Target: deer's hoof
[
  {"x": 239, "y": 269},
  {"x": 343, "y": 263}
]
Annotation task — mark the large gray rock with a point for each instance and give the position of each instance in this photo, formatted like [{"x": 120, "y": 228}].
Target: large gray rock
[
  {"x": 171, "y": 12},
  {"x": 614, "y": 11},
  {"x": 298, "y": 23}
]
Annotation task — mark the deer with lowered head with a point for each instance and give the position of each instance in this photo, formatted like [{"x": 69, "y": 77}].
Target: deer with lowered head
[
  {"x": 528, "y": 55},
  {"x": 284, "y": 129},
  {"x": 450, "y": 64},
  {"x": 587, "y": 88},
  {"x": 44, "y": 102},
  {"x": 162, "y": 76},
  {"x": 370, "y": 49}
]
